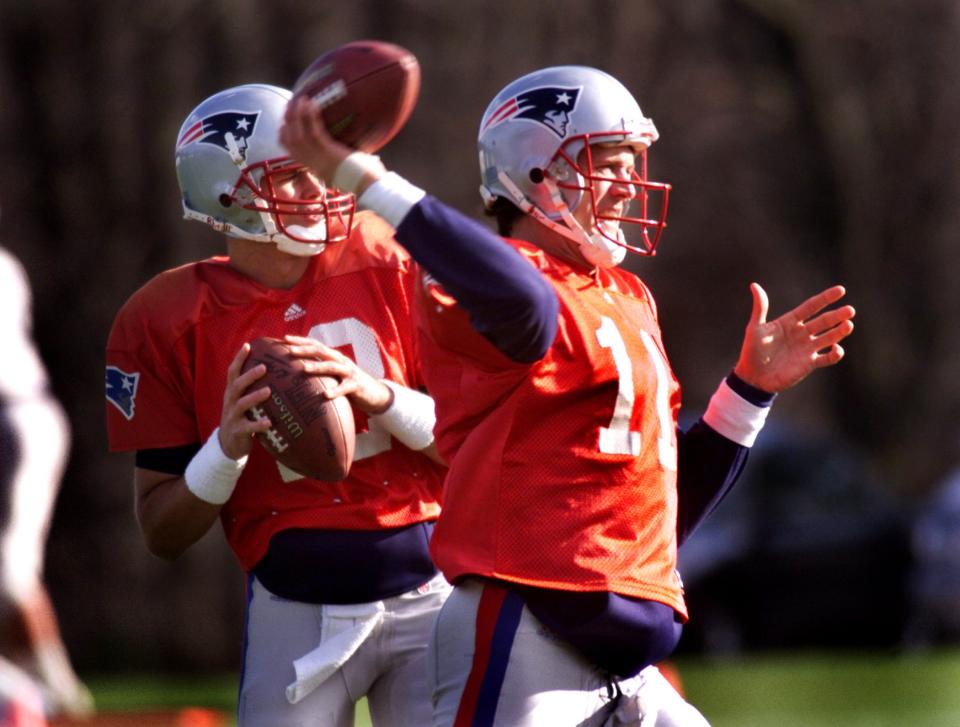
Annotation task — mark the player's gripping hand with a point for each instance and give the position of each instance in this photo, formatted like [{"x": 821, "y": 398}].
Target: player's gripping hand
[
  {"x": 781, "y": 353},
  {"x": 236, "y": 429},
  {"x": 305, "y": 136},
  {"x": 366, "y": 393}
]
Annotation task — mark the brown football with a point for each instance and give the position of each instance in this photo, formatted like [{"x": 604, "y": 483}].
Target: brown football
[
  {"x": 312, "y": 435},
  {"x": 367, "y": 90}
]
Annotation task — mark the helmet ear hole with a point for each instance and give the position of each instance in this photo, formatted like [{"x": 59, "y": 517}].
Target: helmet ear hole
[
  {"x": 225, "y": 199},
  {"x": 536, "y": 175}
]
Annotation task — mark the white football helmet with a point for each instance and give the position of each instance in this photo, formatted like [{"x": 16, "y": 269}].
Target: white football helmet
[
  {"x": 228, "y": 160},
  {"x": 531, "y": 137}
]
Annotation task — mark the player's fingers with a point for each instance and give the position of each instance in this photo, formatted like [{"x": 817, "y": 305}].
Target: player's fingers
[
  {"x": 761, "y": 304},
  {"x": 293, "y": 115},
  {"x": 313, "y": 120},
  {"x": 290, "y": 111},
  {"x": 252, "y": 398},
  {"x": 300, "y": 342},
  {"x": 344, "y": 388},
  {"x": 245, "y": 380},
  {"x": 252, "y": 424},
  {"x": 300, "y": 131},
  {"x": 829, "y": 357},
  {"x": 834, "y": 335},
  {"x": 316, "y": 127},
  {"x": 303, "y": 347},
  {"x": 302, "y": 110},
  {"x": 233, "y": 369},
  {"x": 322, "y": 353},
  {"x": 829, "y": 319},
  {"x": 818, "y": 302},
  {"x": 317, "y": 367},
  {"x": 289, "y": 133}
]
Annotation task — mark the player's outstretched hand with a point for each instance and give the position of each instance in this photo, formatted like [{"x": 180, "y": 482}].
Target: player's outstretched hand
[
  {"x": 780, "y": 353},
  {"x": 367, "y": 393},
  {"x": 236, "y": 429}
]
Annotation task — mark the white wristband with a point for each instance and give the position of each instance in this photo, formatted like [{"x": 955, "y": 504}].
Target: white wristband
[
  {"x": 734, "y": 417},
  {"x": 212, "y": 475},
  {"x": 354, "y": 168},
  {"x": 409, "y": 419},
  {"x": 391, "y": 197}
]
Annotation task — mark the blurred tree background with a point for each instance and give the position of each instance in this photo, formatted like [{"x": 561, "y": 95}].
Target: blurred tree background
[{"x": 808, "y": 141}]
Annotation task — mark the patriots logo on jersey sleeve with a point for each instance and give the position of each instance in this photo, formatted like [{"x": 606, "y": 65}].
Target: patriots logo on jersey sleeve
[
  {"x": 122, "y": 390},
  {"x": 228, "y": 130},
  {"x": 550, "y": 106}
]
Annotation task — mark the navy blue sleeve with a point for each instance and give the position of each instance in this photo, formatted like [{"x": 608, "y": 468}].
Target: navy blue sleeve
[
  {"x": 509, "y": 302},
  {"x": 171, "y": 460},
  {"x": 709, "y": 464}
]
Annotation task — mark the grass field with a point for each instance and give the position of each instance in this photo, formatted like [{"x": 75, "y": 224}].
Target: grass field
[
  {"x": 808, "y": 690},
  {"x": 827, "y": 690}
]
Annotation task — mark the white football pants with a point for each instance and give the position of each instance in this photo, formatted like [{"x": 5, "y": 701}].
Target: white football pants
[
  {"x": 306, "y": 665},
  {"x": 493, "y": 664}
]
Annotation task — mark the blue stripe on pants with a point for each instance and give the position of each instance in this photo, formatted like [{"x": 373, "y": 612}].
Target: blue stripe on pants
[{"x": 502, "y": 642}]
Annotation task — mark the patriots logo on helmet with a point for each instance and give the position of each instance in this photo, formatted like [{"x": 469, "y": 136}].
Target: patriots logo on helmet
[
  {"x": 122, "y": 390},
  {"x": 226, "y": 129},
  {"x": 548, "y": 105}
]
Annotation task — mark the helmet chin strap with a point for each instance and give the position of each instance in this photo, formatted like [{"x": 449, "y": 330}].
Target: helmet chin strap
[
  {"x": 596, "y": 249},
  {"x": 602, "y": 252},
  {"x": 287, "y": 244},
  {"x": 272, "y": 235},
  {"x": 303, "y": 249}
]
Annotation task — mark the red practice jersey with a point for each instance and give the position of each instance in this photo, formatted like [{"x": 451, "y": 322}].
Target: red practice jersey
[
  {"x": 562, "y": 472},
  {"x": 167, "y": 358}
]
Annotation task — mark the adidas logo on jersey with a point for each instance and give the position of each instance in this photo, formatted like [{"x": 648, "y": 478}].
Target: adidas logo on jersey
[{"x": 294, "y": 312}]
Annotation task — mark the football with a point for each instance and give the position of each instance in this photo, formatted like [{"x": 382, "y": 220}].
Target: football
[
  {"x": 367, "y": 90},
  {"x": 312, "y": 435}
]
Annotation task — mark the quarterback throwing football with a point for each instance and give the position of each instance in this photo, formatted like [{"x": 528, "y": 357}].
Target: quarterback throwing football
[{"x": 570, "y": 484}]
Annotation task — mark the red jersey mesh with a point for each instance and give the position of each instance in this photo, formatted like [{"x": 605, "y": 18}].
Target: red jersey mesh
[
  {"x": 180, "y": 331},
  {"x": 563, "y": 472}
]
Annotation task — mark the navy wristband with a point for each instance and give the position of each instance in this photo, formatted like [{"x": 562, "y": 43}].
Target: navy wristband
[{"x": 757, "y": 397}]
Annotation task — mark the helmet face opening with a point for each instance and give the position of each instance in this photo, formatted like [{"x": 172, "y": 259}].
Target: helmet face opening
[
  {"x": 537, "y": 141},
  {"x": 645, "y": 208},
  {"x": 325, "y": 217}
]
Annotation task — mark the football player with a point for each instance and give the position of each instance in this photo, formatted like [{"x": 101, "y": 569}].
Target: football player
[
  {"x": 341, "y": 588},
  {"x": 34, "y": 446},
  {"x": 570, "y": 485}
]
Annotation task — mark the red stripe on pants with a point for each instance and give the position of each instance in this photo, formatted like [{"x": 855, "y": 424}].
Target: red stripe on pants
[{"x": 487, "y": 613}]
